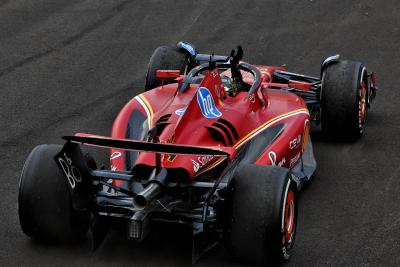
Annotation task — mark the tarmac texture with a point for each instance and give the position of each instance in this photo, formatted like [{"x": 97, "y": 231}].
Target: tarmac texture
[{"x": 68, "y": 66}]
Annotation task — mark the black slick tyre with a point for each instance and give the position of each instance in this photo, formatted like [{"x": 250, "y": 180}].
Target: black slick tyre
[
  {"x": 44, "y": 200},
  {"x": 344, "y": 100},
  {"x": 164, "y": 58},
  {"x": 263, "y": 215}
]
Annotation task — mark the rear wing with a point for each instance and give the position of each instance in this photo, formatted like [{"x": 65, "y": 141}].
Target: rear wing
[
  {"x": 80, "y": 178},
  {"x": 137, "y": 145}
]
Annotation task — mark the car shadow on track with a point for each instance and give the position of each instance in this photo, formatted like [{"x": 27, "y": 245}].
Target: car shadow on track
[{"x": 169, "y": 244}]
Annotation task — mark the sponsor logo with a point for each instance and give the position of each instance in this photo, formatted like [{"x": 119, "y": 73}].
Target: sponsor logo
[
  {"x": 196, "y": 165},
  {"x": 272, "y": 158},
  {"x": 214, "y": 73},
  {"x": 171, "y": 157},
  {"x": 71, "y": 172},
  {"x": 295, "y": 142},
  {"x": 207, "y": 104},
  {"x": 205, "y": 159},
  {"x": 286, "y": 255},
  {"x": 294, "y": 160},
  {"x": 201, "y": 162},
  {"x": 180, "y": 111},
  {"x": 115, "y": 155}
]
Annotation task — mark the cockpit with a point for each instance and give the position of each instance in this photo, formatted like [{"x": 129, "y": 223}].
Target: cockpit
[{"x": 230, "y": 69}]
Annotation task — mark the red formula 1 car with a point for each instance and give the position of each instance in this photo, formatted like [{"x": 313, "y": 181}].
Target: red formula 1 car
[{"x": 214, "y": 143}]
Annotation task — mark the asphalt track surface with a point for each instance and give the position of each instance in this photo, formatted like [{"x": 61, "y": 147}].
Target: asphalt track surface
[{"x": 69, "y": 66}]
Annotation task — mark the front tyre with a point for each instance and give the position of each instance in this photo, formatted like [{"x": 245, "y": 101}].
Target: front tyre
[
  {"x": 263, "y": 208},
  {"x": 344, "y": 100},
  {"x": 44, "y": 200},
  {"x": 165, "y": 58}
]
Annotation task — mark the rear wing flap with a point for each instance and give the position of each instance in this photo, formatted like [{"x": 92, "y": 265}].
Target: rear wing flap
[{"x": 137, "y": 145}]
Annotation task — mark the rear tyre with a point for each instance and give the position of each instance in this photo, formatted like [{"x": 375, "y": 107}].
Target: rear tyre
[
  {"x": 164, "y": 58},
  {"x": 344, "y": 100},
  {"x": 263, "y": 219},
  {"x": 44, "y": 200}
]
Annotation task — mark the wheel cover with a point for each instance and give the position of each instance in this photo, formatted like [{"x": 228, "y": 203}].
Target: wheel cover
[{"x": 289, "y": 217}]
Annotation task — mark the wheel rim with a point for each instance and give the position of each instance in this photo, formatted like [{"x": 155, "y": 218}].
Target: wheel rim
[
  {"x": 362, "y": 105},
  {"x": 289, "y": 217}
]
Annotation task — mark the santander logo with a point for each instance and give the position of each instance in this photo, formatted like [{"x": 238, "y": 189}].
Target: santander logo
[
  {"x": 180, "y": 111},
  {"x": 196, "y": 166},
  {"x": 207, "y": 104}
]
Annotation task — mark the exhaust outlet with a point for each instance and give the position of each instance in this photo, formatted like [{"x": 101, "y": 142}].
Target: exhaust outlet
[
  {"x": 147, "y": 195},
  {"x": 152, "y": 190}
]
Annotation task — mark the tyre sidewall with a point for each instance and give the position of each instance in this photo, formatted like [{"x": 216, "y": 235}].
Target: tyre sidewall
[
  {"x": 340, "y": 98},
  {"x": 254, "y": 228},
  {"x": 164, "y": 58},
  {"x": 45, "y": 206}
]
